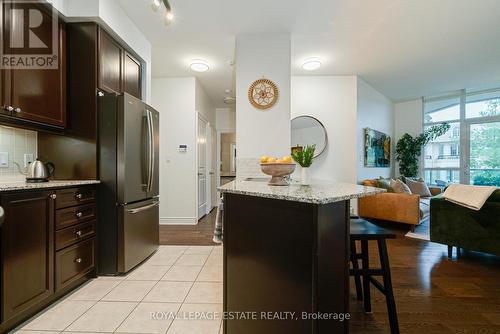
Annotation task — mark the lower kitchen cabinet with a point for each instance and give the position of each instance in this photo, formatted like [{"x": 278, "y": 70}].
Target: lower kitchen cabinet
[
  {"x": 47, "y": 249},
  {"x": 27, "y": 251}
]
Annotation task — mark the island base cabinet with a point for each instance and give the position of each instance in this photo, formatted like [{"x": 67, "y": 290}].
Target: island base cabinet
[
  {"x": 285, "y": 262},
  {"x": 27, "y": 251}
]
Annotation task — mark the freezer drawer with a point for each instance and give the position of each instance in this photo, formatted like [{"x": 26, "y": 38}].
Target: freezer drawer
[{"x": 138, "y": 233}]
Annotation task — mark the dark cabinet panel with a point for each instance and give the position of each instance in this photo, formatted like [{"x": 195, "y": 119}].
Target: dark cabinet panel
[
  {"x": 132, "y": 76},
  {"x": 27, "y": 251},
  {"x": 110, "y": 64},
  {"x": 74, "y": 262},
  {"x": 74, "y": 215}
]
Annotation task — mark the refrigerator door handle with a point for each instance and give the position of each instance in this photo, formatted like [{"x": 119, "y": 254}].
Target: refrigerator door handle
[
  {"x": 146, "y": 151},
  {"x": 151, "y": 150},
  {"x": 143, "y": 208}
]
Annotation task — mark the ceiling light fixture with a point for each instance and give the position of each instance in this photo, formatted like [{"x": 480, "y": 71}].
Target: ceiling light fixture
[
  {"x": 169, "y": 16},
  {"x": 311, "y": 64},
  {"x": 199, "y": 65}
]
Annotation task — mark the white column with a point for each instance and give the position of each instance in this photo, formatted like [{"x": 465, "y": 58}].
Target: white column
[{"x": 262, "y": 132}]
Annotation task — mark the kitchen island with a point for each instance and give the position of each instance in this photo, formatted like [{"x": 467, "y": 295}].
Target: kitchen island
[{"x": 286, "y": 267}]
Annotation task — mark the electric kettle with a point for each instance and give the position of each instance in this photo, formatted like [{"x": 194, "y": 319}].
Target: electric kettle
[{"x": 37, "y": 171}]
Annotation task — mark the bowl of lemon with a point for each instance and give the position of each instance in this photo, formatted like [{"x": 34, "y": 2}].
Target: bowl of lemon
[{"x": 278, "y": 169}]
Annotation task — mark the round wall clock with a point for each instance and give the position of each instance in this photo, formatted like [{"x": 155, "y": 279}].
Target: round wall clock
[{"x": 263, "y": 94}]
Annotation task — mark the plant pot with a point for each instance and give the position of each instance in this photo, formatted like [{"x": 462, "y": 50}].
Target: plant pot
[{"x": 304, "y": 176}]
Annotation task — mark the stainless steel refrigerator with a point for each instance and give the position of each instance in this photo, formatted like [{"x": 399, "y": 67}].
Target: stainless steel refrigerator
[{"x": 128, "y": 170}]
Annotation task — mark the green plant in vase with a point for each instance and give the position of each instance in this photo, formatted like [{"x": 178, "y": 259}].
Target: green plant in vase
[
  {"x": 305, "y": 159},
  {"x": 409, "y": 149}
]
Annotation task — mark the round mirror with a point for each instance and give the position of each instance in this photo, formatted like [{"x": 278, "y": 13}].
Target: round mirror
[{"x": 307, "y": 130}]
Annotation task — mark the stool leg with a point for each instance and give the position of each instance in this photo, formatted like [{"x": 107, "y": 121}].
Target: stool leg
[
  {"x": 391, "y": 304},
  {"x": 355, "y": 265},
  {"x": 365, "y": 262},
  {"x": 450, "y": 252}
]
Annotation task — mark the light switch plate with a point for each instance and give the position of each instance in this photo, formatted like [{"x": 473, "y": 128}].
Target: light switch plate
[
  {"x": 4, "y": 159},
  {"x": 28, "y": 158}
]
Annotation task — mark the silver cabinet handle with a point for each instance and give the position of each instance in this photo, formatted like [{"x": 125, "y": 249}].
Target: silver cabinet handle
[
  {"x": 9, "y": 108},
  {"x": 78, "y": 260},
  {"x": 18, "y": 110},
  {"x": 53, "y": 196},
  {"x": 79, "y": 215},
  {"x": 143, "y": 208},
  {"x": 78, "y": 196},
  {"x": 78, "y": 233}
]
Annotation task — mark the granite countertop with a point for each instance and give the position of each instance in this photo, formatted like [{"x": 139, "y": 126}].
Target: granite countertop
[
  {"x": 22, "y": 185},
  {"x": 319, "y": 192}
]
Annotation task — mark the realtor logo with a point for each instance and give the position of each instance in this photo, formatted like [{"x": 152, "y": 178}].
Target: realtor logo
[{"x": 30, "y": 35}]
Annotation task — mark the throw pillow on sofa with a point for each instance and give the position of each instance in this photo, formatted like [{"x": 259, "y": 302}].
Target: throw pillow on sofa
[
  {"x": 385, "y": 184},
  {"x": 399, "y": 187},
  {"x": 419, "y": 188}
]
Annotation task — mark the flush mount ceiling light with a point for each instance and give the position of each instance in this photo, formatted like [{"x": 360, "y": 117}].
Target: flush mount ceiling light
[
  {"x": 311, "y": 64},
  {"x": 169, "y": 16},
  {"x": 199, "y": 65}
]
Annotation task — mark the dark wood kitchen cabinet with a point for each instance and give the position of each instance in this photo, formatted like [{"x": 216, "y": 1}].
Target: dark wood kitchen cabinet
[
  {"x": 36, "y": 97},
  {"x": 132, "y": 75},
  {"x": 110, "y": 60},
  {"x": 27, "y": 251},
  {"x": 48, "y": 248}
]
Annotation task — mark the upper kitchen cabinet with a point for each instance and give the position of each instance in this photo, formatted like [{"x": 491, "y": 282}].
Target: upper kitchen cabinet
[
  {"x": 132, "y": 75},
  {"x": 110, "y": 56},
  {"x": 36, "y": 97}
]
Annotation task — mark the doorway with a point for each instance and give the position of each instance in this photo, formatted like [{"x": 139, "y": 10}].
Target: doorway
[
  {"x": 228, "y": 153},
  {"x": 202, "y": 167}
]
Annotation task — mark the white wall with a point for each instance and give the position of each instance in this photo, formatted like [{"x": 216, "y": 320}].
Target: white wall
[
  {"x": 407, "y": 119},
  {"x": 226, "y": 120},
  {"x": 111, "y": 15},
  {"x": 376, "y": 112},
  {"x": 174, "y": 98},
  {"x": 204, "y": 104},
  {"x": 332, "y": 100},
  {"x": 260, "y": 132}
]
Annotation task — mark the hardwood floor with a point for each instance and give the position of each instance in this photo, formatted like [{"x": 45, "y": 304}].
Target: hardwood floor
[
  {"x": 434, "y": 295},
  {"x": 193, "y": 235}
]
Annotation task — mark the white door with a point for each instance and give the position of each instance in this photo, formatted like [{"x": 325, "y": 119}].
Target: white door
[
  {"x": 213, "y": 167},
  {"x": 202, "y": 167}
]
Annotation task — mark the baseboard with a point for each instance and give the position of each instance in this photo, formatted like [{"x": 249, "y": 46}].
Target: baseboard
[{"x": 178, "y": 220}]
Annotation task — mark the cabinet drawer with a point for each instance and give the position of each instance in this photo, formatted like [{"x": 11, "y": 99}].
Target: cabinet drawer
[
  {"x": 74, "y": 262},
  {"x": 75, "y": 215},
  {"x": 74, "y": 196},
  {"x": 71, "y": 235}
]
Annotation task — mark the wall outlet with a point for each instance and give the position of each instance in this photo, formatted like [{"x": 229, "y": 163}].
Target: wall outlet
[
  {"x": 4, "y": 159},
  {"x": 28, "y": 158}
]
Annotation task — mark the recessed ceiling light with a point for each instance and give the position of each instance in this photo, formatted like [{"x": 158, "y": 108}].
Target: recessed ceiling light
[
  {"x": 169, "y": 17},
  {"x": 311, "y": 64},
  {"x": 199, "y": 65}
]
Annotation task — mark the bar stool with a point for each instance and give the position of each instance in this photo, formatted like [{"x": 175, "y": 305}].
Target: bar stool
[{"x": 363, "y": 231}]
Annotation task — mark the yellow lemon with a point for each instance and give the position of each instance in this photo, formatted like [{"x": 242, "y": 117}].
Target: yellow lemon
[
  {"x": 263, "y": 159},
  {"x": 287, "y": 159},
  {"x": 271, "y": 160},
  {"x": 280, "y": 161}
]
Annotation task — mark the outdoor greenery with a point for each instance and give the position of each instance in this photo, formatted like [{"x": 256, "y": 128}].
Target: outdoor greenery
[
  {"x": 305, "y": 156},
  {"x": 409, "y": 149},
  {"x": 485, "y": 148}
]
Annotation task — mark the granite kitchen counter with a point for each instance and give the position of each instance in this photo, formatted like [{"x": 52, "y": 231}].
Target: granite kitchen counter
[
  {"x": 319, "y": 192},
  {"x": 22, "y": 185}
]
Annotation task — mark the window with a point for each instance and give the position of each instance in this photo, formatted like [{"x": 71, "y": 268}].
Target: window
[{"x": 470, "y": 151}]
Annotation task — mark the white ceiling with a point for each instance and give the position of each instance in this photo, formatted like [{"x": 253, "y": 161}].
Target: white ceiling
[{"x": 404, "y": 48}]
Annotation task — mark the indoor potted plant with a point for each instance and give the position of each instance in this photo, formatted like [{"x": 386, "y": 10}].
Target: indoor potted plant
[
  {"x": 304, "y": 158},
  {"x": 409, "y": 149}
]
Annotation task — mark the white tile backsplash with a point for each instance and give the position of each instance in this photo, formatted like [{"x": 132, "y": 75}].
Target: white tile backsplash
[
  {"x": 248, "y": 167},
  {"x": 17, "y": 143}
]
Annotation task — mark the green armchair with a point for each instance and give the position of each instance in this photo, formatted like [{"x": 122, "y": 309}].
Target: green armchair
[{"x": 455, "y": 225}]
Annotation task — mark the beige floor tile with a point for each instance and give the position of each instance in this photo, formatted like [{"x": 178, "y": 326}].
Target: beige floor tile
[
  {"x": 182, "y": 273},
  {"x": 191, "y": 260},
  {"x": 218, "y": 250},
  {"x": 172, "y": 250},
  {"x": 148, "y": 273},
  {"x": 169, "y": 292},
  {"x": 199, "y": 250},
  {"x": 60, "y": 316},
  {"x": 111, "y": 278},
  {"x": 211, "y": 274},
  {"x": 103, "y": 317},
  {"x": 94, "y": 290},
  {"x": 130, "y": 291},
  {"x": 162, "y": 259},
  {"x": 34, "y": 332},
  {"x": 215, "y": 260},
  {"x": 186, "y": 325},
  {"x": 142, "y": 320},
  {"x": 205, "y": 292}
]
